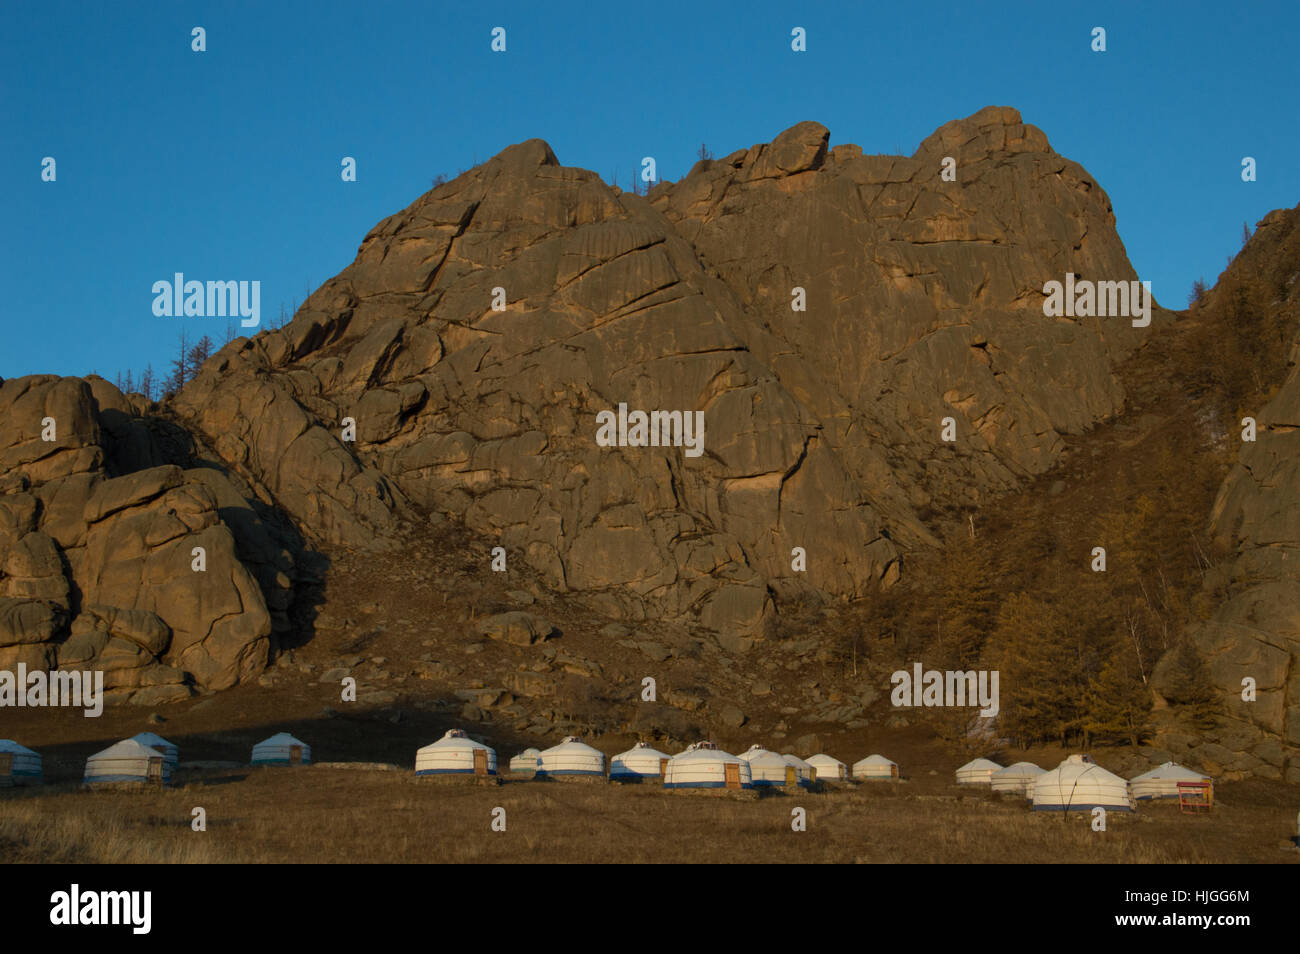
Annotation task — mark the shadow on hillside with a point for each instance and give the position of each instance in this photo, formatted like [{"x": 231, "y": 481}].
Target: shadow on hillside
[{"x": 357, "y": 735}]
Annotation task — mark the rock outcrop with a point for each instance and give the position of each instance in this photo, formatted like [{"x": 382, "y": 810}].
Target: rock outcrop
[
  {"x": 822, "y": 426},
  {"x": 825, "y": 314},
  {"x": 1255, "y": 633},
  {"x": 97, "y": 542}
]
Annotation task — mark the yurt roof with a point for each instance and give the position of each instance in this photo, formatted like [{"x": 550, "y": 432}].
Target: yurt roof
[
  {"x": 821, "y": 758},
  {"x": 529, "y": 753},
  {"x": 573, "y": 743},
  {"x": 644, "y": 749},
  {"x": 795, "y": 761},
  {"x": 1171, "y": 770},
  {"x": 701, "y": 750},
  {"x": 1076, "y": 767},
  {"x": 281, "y": 738},
  {"x": 872, "y": 760},
  {"x": 767, "y": 758},
  {"x": 976, "y": 765},
  {"x": 8, "y": 745},
  {"x": 152, "y": 741},
  {"x": 1019, "y": 770},
  {"x": 753, "y": 752},
  {"x": 454, "y": 739},
  {"x": 128, "y": 749}
]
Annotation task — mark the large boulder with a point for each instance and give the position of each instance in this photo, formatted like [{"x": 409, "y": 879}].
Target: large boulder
[{"x": 97, "y": 564}]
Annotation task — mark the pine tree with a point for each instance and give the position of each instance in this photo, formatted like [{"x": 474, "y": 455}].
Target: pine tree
[
  {"x": 1189, "y": 685},
  {"x": 146, "y": 382},
  {"x": 1041, "y": 674},
  {"x": 180, "y": 367},
  {"x": 966, "y": 604},
  {"x": 1117, "y": 701},
  {"x": 198, "y": 354}
]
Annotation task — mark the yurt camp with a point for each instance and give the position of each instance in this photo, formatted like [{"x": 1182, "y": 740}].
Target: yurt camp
[
  {"x": 828, "y": 769},
  {"x": 875, "y": 768},
  {"x": 126, "y": 762},
  {"x": 641, "y": 763},
  {"x": 977, "y": 772},
  {"x": 1017, "y": 779},
  {"x": 1162, "y": 781},
  {"x": 282, "y": 749},
  {"x": 169, "y": 751},
  {"x": 1080, "y": 784},
  {"x": 572, "y": 758},
  {"x": 455, "y": 754},
  {"x": 704, "y": 765},
  {"x": 19, "y": 765},
  {"x": 525, "y": 763}
]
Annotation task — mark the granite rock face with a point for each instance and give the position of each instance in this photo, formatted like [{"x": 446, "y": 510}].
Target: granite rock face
[
  {"x": 822, "y": 314},
  {"x": 1255, "y": 633},
  {"x": 97, "y": 536},
  {"x": 923, "y": 301}
]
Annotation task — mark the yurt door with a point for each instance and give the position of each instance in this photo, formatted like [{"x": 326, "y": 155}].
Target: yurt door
[
  {"x": 732, "y": 775},
  {"x": 6, "y": 766},
  {"x": 155, "y": 770},
  {"x": 480, "y": 761},
  {"x": 663, "y": 768},
  {"x": 791, "y": 776},
  {"x": 295, "y": 755}
]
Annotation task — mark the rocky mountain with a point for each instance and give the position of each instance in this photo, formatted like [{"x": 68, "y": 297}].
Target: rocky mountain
[
  {"x": 831, "y": 317},
  {"x": 822, "y": 427}
]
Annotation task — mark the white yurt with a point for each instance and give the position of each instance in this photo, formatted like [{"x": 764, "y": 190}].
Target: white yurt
[
  {"x": 169, "y": 751},
  {"x": 753, "y": 752},
  {"x": 455, "y": 754},
  {"x": 525, "y": 763},
  {"x": 704, "y": 765},
  {"x": 127, "y": 761},
  {"x": 1080, "y": 784},
  {"x": 828, "y": 769},
  {"x": 641, "y": 763},
  {"x": 282, "y": 749},
  {"x": 806, "y": 774},
  {"x": 571, "y": 757},
  {"x": 773, "y": 770},
  {"x": 875, "y": 767},
  {"x": 1162, "y": 781},
  {"x": 1017, "y": 779},
  {"x": 977, "y": 772},
  {"x": 19, "y": 765}
]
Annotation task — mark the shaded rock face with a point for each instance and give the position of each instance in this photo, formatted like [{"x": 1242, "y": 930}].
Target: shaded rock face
[
  {"x": 97, "y": 534},
  {"x": 822, "y": 426},
  {"x": 1256, "y": 632}
]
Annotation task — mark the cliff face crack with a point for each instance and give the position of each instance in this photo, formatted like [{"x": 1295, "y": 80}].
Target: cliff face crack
[
  {"x": 461, "y": 227},
  {"x": 794, "y": 469}
]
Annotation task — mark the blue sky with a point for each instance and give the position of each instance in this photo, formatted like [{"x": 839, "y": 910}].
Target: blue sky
[{"x": 225, "y": 164}]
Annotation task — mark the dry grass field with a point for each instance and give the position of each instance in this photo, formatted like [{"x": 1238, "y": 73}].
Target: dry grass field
[{"x": 315, "y": 815}]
